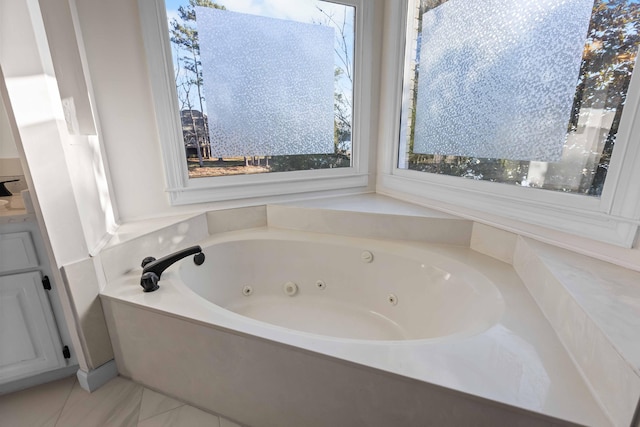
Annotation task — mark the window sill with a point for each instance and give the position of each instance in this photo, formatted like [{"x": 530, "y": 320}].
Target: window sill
[
  {"x": 202, "y": 190},
  {"x": 518, "y": 214}
]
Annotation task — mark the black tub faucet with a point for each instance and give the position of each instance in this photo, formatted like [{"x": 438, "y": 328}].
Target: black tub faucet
[{"x": 152, "y": 268}]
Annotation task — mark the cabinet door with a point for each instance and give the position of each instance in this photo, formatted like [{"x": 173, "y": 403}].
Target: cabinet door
[
  {"x": 29, "y": 341},
  {"x": 17, "y": 252}
]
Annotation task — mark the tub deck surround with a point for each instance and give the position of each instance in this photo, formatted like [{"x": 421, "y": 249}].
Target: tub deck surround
[
  {"x": 371, "y": 216},
  {"x": 518, "y": 361},
  {"x": 609, "y": 294},
  {"x": 369, "y": 203},
  {"x": 572, "y": 323},
  {"x": 262, "y": 383},
  {"x": 139, "y": 229},
  {"x": 137, "y": 241},
  {"x": 595, "y": 309}
]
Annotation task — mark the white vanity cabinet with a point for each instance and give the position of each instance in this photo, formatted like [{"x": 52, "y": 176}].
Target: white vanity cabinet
[{"x": 29, "y": 338}]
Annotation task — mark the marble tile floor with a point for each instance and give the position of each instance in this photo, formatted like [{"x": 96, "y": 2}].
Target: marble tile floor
[{"x": 119, "y": 403}]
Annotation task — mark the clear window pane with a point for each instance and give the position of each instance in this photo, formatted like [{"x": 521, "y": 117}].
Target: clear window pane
[
  {"x": 591, "y": 123},
  {"x": 255, "y": 75}
]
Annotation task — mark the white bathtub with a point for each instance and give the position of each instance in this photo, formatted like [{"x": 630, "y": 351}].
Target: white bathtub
[
  {"x": 345, "y": 288},
  {"x": 401, "y": 340}
]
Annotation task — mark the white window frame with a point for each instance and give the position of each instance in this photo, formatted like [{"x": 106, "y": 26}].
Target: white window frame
[
  {"x": 183, "y": 190},
  {"x": 612, "y": 218}
]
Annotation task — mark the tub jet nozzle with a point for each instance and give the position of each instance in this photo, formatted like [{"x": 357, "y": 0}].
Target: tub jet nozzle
[{"x": 290, "y": 289}]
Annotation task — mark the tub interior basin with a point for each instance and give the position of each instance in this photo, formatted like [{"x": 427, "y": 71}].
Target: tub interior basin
[{"x": 375, "y": 291}]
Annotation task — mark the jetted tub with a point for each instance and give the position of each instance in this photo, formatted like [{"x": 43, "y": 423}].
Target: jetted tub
[
  {"x": 346, "y": 289},
  {"x": 288, "y": 328}
]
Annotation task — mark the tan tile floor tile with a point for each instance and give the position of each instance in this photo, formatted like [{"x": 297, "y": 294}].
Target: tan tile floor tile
[
  {"x": 184, "y": 416},
  {"x": 37, "y": 406},
  {"x": 154, "y": 403},
  {"x": 115, "y": 404},
  {"x": 119, "y": 403},
  {"x": 228, "y": 423}
]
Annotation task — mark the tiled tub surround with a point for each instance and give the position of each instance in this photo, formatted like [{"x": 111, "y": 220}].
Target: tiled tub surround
[{"x": 516, "y": 371}]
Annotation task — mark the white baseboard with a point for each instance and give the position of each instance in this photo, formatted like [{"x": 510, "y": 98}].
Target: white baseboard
[
  {"x": 96, "y": 378},
  {"x": 35, "y": 380}
]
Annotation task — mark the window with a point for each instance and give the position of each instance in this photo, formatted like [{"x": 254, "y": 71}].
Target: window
[
  {"x": 278, "y": 78},
  {"x": 259, "y": 98},
  {"x": 515, "y": 106},
  {"x": 483, "y": 103}
]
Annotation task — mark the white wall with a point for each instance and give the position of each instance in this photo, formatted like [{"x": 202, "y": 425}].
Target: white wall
[
  {"x": 26, "y": 86},
  {"x": 66, "y": 171},
  {"x": 31, "y": 93},
  {"x": 116, "y": 61},
  {"x": 8, "y": 149},
  {"x": 10, "y": 164},
  {"x": 40, "y": 64}
]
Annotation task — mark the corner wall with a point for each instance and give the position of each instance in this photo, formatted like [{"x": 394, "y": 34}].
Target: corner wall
[{"x": 65, "y": 170}]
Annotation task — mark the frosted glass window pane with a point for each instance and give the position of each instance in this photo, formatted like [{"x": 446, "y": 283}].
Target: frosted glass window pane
[
  {"x": 497, "y": 78},
  {"x": 268, "y": 84}
]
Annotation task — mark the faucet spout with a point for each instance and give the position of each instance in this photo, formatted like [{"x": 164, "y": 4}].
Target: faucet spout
[{"x": 153, "y": 268}]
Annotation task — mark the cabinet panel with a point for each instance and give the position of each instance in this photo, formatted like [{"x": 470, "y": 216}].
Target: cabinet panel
[
  {"x": 29, "y": 341},
  {"x": 14, "y": 328},
  {"x": 17, "y": 252}
]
